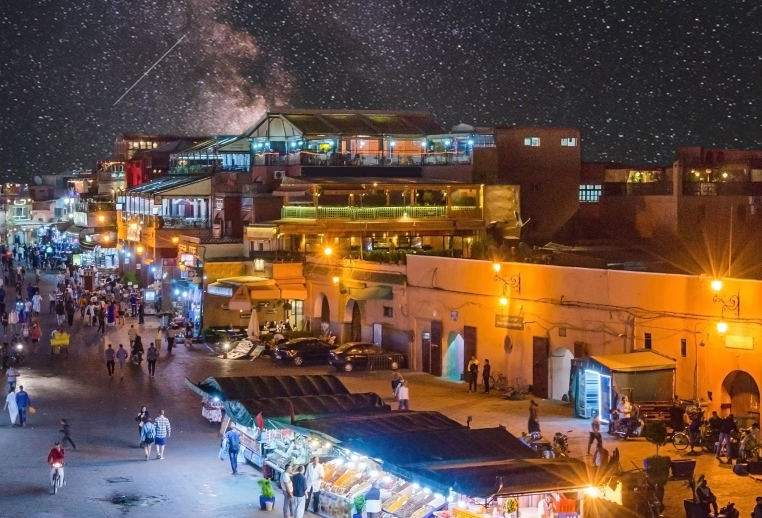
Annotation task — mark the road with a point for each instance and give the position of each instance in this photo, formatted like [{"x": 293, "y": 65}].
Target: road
[{"x": 108, "y": 476}]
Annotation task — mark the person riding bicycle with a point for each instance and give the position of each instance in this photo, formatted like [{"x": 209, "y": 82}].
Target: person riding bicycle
[{"x": 56, "y": 456}]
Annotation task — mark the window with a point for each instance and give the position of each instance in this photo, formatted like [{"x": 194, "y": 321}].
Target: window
[
  {"x": 532, "y": 141},
  {"x": 590, "y": 193},
  {"x": 19, "y": 212},
  {"x": 647, "y": 340},
  {"x": 388, "y": 312},
  {"x": 569, "y": 142},
  {"x": 683, "y": 348}
]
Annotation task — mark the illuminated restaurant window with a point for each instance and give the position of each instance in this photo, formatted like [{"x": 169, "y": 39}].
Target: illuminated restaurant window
[
  {"x": 532, "y": 141},
  {"x": 569, "y": 142},
  {"x": 590, "y": 193}
]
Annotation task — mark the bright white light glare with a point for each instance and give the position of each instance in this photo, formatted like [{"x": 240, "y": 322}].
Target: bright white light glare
[
  {"x": 426, "y": 491},
  {"x": 362, "y": 465},
  {"x": 438, "y": 496},
  {"x": 327, "y": 444},
  {"x": 593, "y": 491},
  {"x": 387, "y": 478},
  {"x": 416, "y": 485},
  {"x": 374, "y": 473},
  {"x": 450, "y": 499},
  {"x": 350, "y": 465},
  {"x": 354, "y": 457},
  {"x": 177, "y": 292},
  {"x": 339, "y": 462},
  {"x": 461, "y": 504}
]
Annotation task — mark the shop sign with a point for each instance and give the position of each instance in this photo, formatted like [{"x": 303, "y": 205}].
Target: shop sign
[
  {"x": 192, "y": 250},
  {"x": 182, "y": 248},
  {"x": 133, "y": 233},
  {"x": 218, "y": 204},
  {"x": 509, "y": 322},
  {"x": 222, "y": 291}
]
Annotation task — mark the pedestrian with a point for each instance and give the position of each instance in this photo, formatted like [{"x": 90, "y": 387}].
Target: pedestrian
[
  {"x": 233, "y": 439},
  {"x": 159, "y": 338},
  {"x": 132, "y": 333},
  {"x": 472, "y": 373},
  {"x": 299, "y": 483},
  {"x": 534, "y": 413},
  {"x": 11, "y": 406},
  {"x": 287, "y": 485},
  {"x": 35, "y": 334},
  {"x": 11, "y": 375},
  {"x": 727, "y": 428},
  {"x": 110, "y": 360},
  {"x": 36, "y": 302},
  {"x": 101, "y": 321},
  {"x": 51, "y": 302},
  {"x": 315, "y": 474},
  {"x": 373, "y": 502},
  {"x": 24, "y": 403},
  {"x": 757, "y": 512},
  {"x": 486, "y": 371},
  {"x": 121, "y": 356},
  {"x": 66, "y": 431},
  {"x": 141, "y": 312},
  {"x": 152, "y": 354},
  {"x": 142, "y": 417},
  {"x": 147, "y": 436},
  {"x": 120, "y": 312},
  {"x": 595, "y": 431},
  {"x": 163, "y": 431},
  {"x": 5, "y": 324},
  {"x": 60, "y": 312},
  {"x": 396, "y": 380},
  {"x": 403, "y": 396},
  {"x": 170, "y": 338}
]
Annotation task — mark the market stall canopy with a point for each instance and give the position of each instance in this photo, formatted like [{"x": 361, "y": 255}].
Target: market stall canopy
[
  {"x": 639, "y": 361},
  {"x": 264, "y": 387},
  {"x": 508, "y": 478},
  {"x": 288, "y": 409},
  {"x": 438, "y": 447},
  {"x": 364, "y": 426},
  {"x": 240, "y": 300}
]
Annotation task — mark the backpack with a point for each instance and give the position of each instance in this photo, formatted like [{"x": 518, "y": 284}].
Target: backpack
[
  {"x": 150, "y": 434},
  {"x": 234, "y": 442}
]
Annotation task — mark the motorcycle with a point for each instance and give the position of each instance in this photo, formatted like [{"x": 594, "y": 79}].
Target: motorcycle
[
  {"x": 17, "y": 354},
  {"x": 626, "y": 426},
  {"x": 57, "y": 480}
]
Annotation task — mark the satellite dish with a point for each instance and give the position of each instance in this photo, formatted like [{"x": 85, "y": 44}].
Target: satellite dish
[{"x": 37, "y": 180}]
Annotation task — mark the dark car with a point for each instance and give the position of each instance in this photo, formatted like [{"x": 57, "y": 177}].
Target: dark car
[
  {"x": 360, "y": 355},
  {"x": 303, "y": 350}
]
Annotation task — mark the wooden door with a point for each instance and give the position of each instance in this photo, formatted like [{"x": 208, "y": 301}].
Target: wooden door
[
  {"x": 426, "y": 351},
  {"x": 356, "y": 329},
  {"x": 540, "y": 354},
  {"x": 469, "y": 347},
  {"x": 435, "y": 364}
]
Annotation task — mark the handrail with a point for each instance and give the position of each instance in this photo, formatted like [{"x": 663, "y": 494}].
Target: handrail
[{"x": 385, "y": 212}]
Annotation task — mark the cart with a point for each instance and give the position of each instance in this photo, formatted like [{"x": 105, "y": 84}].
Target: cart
[{"x": 59, "y": 344}]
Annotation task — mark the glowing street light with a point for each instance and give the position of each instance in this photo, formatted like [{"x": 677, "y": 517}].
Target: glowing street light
[
  {"x": 716, "y": 285},
  {"x": 139, "y": 249},
  {"x": 335, "y": 280},
  {"x": 175, "y": 240},
  {"x": 101, "y": 218},
  {"x": 503, "y": 301},
  {"x": 496, "y": 267},
  {"x": 328, "y": 251},
  {"x": 722, "y": 327}
]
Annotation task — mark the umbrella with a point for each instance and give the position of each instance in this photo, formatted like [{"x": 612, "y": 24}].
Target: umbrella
[{"x": 253, "y": 329}]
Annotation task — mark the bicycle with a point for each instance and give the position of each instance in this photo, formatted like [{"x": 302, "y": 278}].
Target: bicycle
[
  {"x": 499, "y": 383},
  {"x": 681, "y": 440}
]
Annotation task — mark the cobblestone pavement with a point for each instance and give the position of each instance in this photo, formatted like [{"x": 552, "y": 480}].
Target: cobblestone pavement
[{"x": 108, "y": 476}]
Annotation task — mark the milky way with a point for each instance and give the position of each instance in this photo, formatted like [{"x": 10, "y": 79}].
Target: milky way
[{"x": 639, "y": 78}]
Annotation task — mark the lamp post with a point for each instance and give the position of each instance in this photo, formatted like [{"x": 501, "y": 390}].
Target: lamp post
[
  {"x": 730, "y": 303},
  {"x": 514, "y": 281}
]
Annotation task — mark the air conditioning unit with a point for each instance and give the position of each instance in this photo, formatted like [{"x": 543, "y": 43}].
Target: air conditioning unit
[{"x": 279, "y": 175}]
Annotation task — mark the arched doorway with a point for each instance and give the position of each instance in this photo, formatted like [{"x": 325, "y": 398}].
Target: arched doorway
[
  {"x": 353, "y": 321},
  {"x": 559, "y": 372},
  {"x": 325, "y": 310},
  {"x": 740, "y": 394},
  {"x": 454, "y": 356}
]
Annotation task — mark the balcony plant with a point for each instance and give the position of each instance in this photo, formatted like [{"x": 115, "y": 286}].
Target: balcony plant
[{"x": 267, "y": 495}]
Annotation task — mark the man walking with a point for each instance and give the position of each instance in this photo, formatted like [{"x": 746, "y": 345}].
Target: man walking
[
  {"x": 121, "y": 355},
  {"x": 315, "y": 475},
  {"x": 288, "y": 492},
  {"x": 299, "y": 483},
  {"x": 23, "y": 401},
  {"x": 101, "y": 321},
  {"x": 595, "y": 431},
  {"x": 132, "y": 333},
  {"x": 233, "y": 437},
  {"x": 66, "y": 431},
  {"x": 11, "y": 376},
  {"x": 170, "y": 338},
  {"x": 152, "y": 355},
  {"x": 727, "y": 428},
  {"x": 110, "y": 360},
  {"x": 486, "y": 371},
  {"x": 163, "y": 431}
]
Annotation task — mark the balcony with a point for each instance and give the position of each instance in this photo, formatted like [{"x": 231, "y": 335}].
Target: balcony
[
  {"x": 376, "y": 213},
  {"x": 722, "y": 189},
  {"x": 637, "y": 189},
  {"x": 89, "y": 206},
  {"x": 182, "y": 223},
  {"x": 305, "y": 158}
]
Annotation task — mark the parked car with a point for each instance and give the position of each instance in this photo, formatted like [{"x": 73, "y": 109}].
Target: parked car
[
  {"x": 303, "y": 350},
  {"x": 360, "y": 355}
]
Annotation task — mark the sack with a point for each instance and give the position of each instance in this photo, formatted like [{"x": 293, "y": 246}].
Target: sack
[
  {"x": 32, "y": 410},
  {"x": 224, "y": 449}
]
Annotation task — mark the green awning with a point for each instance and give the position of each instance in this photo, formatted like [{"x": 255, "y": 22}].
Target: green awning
[{"x": 372, "y": 293}]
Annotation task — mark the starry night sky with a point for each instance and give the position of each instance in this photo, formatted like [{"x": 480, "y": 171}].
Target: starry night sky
[{"x": 638, "y": 77}]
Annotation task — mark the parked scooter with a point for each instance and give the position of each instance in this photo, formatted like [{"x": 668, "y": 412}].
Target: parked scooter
[
  {"x": 17, "y": 353},
  {"x": 626, "y": 427}
]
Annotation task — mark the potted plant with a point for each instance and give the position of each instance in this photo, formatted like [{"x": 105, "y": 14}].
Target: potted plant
[
  {"x": 511, "y": 507},
  {"x": 267, "y": 495},
  {"x": 692, "y": 507},
  {"x": 359, "y": 503}
]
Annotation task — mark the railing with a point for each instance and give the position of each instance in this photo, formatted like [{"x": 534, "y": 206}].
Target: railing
[
  {"x": 722, "y": 189},
  {"x": 372, "y": 213},
  {"x": 637, "y": 189},
  {"x": 362, "y": 159},
  {"x": 84, "y": 206}
]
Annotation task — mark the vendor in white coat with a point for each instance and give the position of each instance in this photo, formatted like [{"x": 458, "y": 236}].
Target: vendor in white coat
[{"x": 315, "y": 474}]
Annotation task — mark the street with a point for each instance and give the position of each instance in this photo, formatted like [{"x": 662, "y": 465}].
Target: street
[{"x": 108, "y": 476}]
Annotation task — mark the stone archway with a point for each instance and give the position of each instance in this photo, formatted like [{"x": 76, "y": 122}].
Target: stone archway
[
  {"x": 559, "y": 373},
  {"x": 740, "y": 394},
  {"x": 453, "y": 363}
]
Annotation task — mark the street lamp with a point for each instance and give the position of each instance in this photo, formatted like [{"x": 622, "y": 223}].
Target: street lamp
[
  {"x": 503, "y": 301},
  {"x": 716, "y": 285},
  {"x": 722, "y": 326},
  {"x": 335, "y": 280},
  {"x": 496, "y": 267},
  {"x": 139, "y": 249},
  {"x": 328, "y": 252},
  {"x": 175, "y": 240},
  {"x": 101, "y": 218}
]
